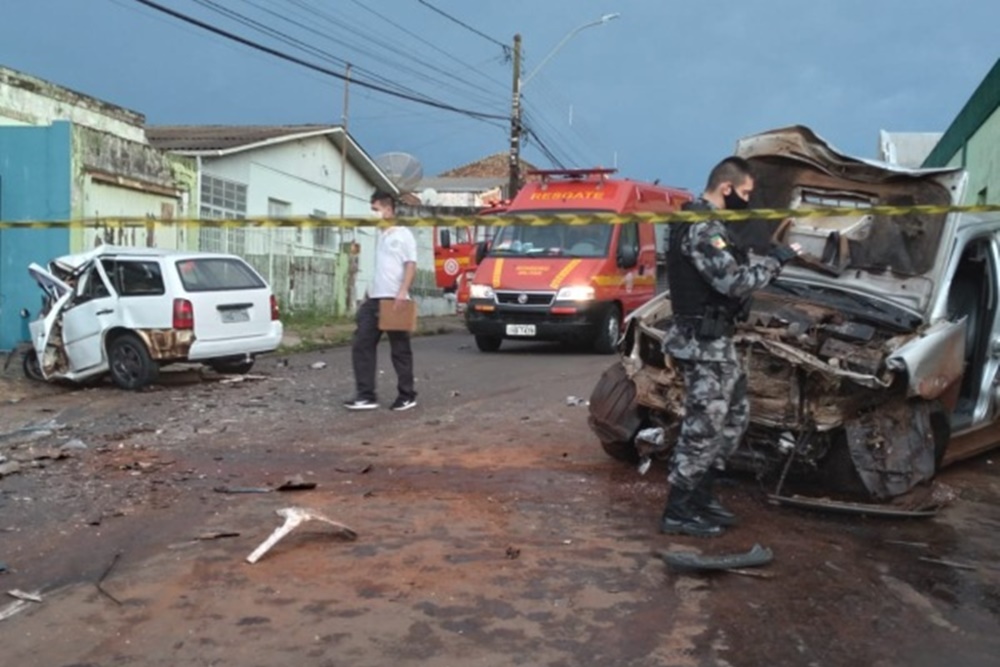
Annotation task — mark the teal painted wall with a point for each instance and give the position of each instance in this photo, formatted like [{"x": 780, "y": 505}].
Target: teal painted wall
[{"x": 35, "y": 182}]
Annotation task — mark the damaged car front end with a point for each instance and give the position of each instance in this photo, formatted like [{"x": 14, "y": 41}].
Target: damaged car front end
[{"x": 870, "y": 363}]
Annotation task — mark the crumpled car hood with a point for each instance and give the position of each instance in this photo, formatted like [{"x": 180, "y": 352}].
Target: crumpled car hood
[{"x": 891, "y": 257}]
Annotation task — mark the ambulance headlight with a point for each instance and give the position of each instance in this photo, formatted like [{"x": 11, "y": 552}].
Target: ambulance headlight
[
  {"x": 477, "y": 291},
  {"x": 576, "y": 293}
]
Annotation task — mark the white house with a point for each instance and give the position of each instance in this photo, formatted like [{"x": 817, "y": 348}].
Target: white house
[{"x": 297, "y": 170}]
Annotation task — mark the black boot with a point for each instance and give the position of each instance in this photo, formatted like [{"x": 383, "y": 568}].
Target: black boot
[
  {"x": 680, "y": 516},
  {"x": 708, "y": 505}
]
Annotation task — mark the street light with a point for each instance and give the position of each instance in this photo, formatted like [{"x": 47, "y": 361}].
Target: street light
[
  {"x": 515, "y": 115},
  {"x": 601, "y": 21}
]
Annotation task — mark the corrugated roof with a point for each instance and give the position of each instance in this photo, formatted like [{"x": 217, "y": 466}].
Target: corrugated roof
[{"x": 223, "y": 137}]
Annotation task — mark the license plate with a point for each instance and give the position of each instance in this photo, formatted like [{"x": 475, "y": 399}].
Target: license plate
[
  {"x": 233, "y": 316},
  {"x": 520, "y": 329}
]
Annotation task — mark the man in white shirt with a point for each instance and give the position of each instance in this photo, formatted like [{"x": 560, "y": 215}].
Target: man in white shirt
[{"x": 395, "y": 268}]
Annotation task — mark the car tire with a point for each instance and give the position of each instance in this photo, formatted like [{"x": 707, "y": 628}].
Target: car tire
[
  {"x": 239, "y": 366},
  {"x": 615, "y": 416},
  {"x": 129, "y": 362},
  {"x": 488, "y": 343},
  {"x": 32, "y": 369},
  {"x": 609, "y": 331}
]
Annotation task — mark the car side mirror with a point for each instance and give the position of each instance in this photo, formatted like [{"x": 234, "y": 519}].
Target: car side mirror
[
  {"x": 628, "y": 257},
  {"x": 445, "y": 238}
]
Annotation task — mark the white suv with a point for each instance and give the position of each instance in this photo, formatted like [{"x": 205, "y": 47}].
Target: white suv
[{"x": 127, "y": 311}]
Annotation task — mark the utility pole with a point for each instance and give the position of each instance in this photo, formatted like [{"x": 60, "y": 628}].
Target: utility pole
[
  {"x": 343, "y": 148},
  {"x": 515, "y": 124}
]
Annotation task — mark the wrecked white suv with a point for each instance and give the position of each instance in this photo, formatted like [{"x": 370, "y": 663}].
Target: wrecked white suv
[
  {"x": 871, "y": 362},
  {"x": 125, "y": 312}
]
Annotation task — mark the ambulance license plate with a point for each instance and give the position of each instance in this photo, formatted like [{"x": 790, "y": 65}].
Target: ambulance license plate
[{"x": 520, "y": 329}]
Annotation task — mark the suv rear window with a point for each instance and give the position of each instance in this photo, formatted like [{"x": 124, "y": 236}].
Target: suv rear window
[
  {"x": 217, "y": 274},
  {"x": 134, "y": 278}
]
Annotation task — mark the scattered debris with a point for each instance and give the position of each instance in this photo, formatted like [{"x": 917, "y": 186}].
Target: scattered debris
[
  {"x": 512, "y": 553},
  {"x": 27, "y": 597},
  {"x": 75, "y": 443},
  {"x": 844, "y": 507},
  {"x": 687, "y": 560},
  {"x": 242, "y": 489},
  {"x": 293, "y": 517},
  {"x": 574, "y": 401},
  {"x": 100, "y": 582},
  {"x": 915, "y": 545},
  {"x": 296, "y": 483},
  {"x": 317, "y": 365},
  {"x": 3, "y": 567},
  {"x": 9, "y": 468},
  {"x": 218, "y": 535},
  {"x": 360, "y": 471},
  {"x": 455, "y": 394},
  {"x": 13, "y": 608},
  {"x": 242, "y": 378},
  {"x": 948, "y": 563}
]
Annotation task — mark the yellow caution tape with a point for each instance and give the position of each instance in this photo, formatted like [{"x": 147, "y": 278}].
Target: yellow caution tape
[{"x": 533, "y": 220}]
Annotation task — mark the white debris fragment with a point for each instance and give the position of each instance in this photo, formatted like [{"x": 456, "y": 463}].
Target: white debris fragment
[
  {"x": 318, "y": 365},
  {"x": 27, "y": 597},
  {"x": 576, "y": 400},
  {"x": 293, "y": 517}
]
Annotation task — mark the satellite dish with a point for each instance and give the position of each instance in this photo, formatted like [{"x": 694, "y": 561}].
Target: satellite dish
[
  {"x": 428, "y": 196},
  {"x": 403, "y": 169}
]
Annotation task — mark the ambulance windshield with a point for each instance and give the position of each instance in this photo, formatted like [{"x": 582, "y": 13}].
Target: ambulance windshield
[{"x": 552, "y": 240}]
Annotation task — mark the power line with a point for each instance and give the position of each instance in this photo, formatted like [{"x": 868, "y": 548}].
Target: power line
[
  {"x": 419, "y": 99},
  {"x": 506, "y": 49}
]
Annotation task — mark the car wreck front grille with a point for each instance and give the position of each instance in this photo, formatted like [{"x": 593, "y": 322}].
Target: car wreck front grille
[{"x": 513, "y": 298}]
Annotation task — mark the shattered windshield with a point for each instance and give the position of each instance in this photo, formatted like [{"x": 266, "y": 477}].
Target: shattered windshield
[{"x": 552, "y": 240}]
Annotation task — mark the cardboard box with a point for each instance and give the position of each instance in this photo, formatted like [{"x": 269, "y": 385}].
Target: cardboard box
[{"x": 391, "y": 318}]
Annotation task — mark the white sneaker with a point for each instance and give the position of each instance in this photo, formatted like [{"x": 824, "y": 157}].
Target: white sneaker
[{"x": 360, "y": 404}]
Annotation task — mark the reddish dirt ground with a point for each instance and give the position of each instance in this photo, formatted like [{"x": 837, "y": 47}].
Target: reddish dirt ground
[{"x": 492, "y": 530}]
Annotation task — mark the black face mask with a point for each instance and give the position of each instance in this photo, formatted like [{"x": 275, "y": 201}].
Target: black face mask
[{"x": 734, "y": 202}]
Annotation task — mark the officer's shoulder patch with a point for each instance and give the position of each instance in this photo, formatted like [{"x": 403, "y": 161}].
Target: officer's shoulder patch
[{"x": 718, "y": 242}]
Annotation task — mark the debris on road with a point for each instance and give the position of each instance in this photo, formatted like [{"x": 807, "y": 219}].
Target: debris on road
[
  {"x": 845, "y": 507},
  {"x": 293, "y": 517},
  {"x": 217, "y": 535},
  {"x": 100, "y": 582},
  {"x": 512, "y": 553},
  {"x": 242, "y": 489},
  {"x": 948, "y": 563},
  {"x": 27, "y": 597},
  {"x": 574, "y": 401},
  {"x": 688, "y": 560},
  {"x": 13, "y": 608},
  {"x": 9, "y": 468},
  {"x": 296, "y": 483},
  {"x": 317, "y": 365}
]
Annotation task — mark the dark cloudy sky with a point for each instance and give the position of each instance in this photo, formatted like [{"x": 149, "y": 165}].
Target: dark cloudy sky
[{"x": 664, "y": 90}]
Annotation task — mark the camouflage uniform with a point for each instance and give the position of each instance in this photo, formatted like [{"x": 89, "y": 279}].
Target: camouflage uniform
[{"x": 716, "y": 408}]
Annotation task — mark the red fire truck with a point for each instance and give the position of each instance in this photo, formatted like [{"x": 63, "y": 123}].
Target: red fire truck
[{"x": 568, "y": 282}]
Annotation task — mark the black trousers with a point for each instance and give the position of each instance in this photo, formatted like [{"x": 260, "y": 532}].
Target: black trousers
[{"x": 364, "y": 354}]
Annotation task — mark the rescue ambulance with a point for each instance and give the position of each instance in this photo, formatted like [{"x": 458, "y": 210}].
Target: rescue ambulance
[{"x": 573, "y": 283}]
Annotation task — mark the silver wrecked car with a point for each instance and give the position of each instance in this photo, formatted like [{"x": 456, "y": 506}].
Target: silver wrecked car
[
  {"x": 125, "y": 312},
  {"x": 871, "y": 363}
]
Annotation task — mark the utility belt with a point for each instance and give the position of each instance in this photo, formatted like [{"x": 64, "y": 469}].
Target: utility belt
[{"x": 717, "y": 322}]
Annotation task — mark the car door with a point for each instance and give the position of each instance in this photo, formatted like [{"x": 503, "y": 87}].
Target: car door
[{"x": 93, "y": 310}]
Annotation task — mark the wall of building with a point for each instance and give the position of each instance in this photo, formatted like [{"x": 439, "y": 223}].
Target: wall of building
[
  {"x": 34, "y": 185},
  {"x": 117, "y": 177},
  {"x": 26, "y": 100},
  {"x": 981, "y": 158}
]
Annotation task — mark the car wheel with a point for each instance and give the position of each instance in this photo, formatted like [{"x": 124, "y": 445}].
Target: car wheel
[
  {"x": 488, "y": 343},
  {"x": 32, "y": 369},
  {"x": 238, "y": 366},
  {"x": 131, "y": 366},
  {"x": 609, "y": 331},
  {"x": 615, "y": 416}
]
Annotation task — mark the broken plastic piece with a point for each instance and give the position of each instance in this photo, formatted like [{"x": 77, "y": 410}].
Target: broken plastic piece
[
  {"x": 686, "y": 560},
  {"x": 293, "y": 517}
]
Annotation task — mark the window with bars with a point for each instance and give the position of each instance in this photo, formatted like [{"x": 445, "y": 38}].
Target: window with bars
[{"x": 221, "y": 198}]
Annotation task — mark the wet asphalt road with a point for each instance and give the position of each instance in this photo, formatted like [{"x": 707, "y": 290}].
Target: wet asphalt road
[{"x": 492, "y": 530}]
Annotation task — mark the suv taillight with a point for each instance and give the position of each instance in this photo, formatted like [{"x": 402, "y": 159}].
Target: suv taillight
[
  {"x": 183, "y": 314},
  {"x": 275, "y": 311}
]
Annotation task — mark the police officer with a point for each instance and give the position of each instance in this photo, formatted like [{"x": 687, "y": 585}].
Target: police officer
[{"x": 711, "y": 278}]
